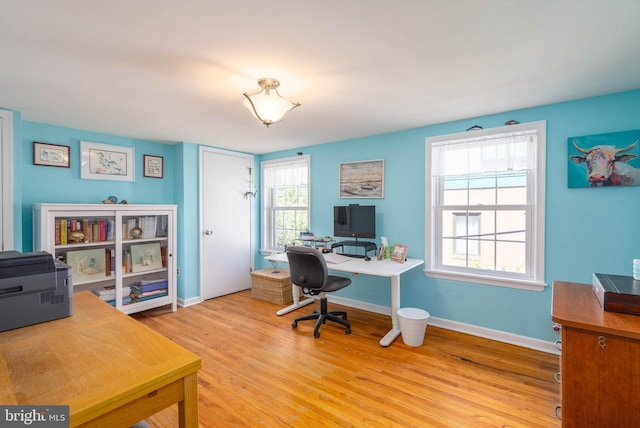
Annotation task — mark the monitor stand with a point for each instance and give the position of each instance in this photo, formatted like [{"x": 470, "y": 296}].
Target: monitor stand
[{"x": 367, "y": 246}]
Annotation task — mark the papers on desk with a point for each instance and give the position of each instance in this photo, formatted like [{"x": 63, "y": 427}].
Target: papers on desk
[{"x": 336, "y": 258}]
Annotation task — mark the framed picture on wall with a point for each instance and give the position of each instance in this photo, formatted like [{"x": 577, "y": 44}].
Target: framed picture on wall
[
  {"x": 362, "y": 179},
  {"x": 604, "y": 160},
  {"x": 153, "y": 166},
  {"x": 46, "y": 154},
  {"x": 106, "y": 162}
]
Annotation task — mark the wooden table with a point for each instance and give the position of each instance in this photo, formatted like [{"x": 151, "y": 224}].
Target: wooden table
[{"x": 108, "y": 368}]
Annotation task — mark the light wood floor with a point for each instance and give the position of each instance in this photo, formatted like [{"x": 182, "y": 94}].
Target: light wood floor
[{"x": 258, "y": 371}]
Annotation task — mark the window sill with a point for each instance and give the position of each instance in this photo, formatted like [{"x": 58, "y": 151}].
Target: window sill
[{"x": 495, "y": 281}]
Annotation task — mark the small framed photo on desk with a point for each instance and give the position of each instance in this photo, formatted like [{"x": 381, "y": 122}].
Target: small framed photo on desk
[{"x": 399, "y": 253}]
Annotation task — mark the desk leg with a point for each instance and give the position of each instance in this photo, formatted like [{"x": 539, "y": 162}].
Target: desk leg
[
  {"x": 297, "y": 304},
  {"x": 188, "y": 407},
  {"x": 395, "y": 305}
]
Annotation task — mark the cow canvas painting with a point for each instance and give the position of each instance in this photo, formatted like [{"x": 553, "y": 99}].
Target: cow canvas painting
[{"x": 605, "y": 160}]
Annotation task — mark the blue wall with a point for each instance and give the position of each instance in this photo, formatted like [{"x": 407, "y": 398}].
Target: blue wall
[
  {"x": 587, "y": 230},
  {"x": 40, "y": 184}
]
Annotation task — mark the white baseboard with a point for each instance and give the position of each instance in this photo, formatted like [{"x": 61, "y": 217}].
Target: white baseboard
[
  {"x": 487, "y": 333},
  {"x": 189, "y": 302}
]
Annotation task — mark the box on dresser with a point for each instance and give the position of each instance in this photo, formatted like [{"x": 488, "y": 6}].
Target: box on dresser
[{"x": 617, "y": 293}]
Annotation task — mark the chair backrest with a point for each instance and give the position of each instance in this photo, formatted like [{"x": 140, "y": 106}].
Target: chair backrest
[{"x": 307, "y": 267}]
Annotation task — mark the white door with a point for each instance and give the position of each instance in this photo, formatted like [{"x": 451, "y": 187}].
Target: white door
[{"x": 226, "y": 254}]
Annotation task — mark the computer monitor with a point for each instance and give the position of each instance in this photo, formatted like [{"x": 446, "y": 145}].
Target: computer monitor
[{"x": 354, "y": 221}]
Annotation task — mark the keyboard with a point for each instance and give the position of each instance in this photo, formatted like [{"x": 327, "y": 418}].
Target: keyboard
[{"x": 335, "y": 258}]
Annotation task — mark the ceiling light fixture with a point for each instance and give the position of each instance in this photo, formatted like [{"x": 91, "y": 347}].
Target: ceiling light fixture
[{"x": 266, "y": 104}]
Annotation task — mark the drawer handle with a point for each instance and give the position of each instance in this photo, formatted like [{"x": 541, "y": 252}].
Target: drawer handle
[
  {"x": 557, "y": 377},
  {"x": 558, "y": 344},
  {"x": 557, "y": 409},
  {"x": 602, "y": 341}
]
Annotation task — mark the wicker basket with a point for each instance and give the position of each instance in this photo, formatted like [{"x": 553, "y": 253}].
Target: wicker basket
[{"x": 272, "y": 287}]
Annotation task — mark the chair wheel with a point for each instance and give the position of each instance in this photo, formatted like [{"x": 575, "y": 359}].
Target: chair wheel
[
  {"x": 316, "y": 334},
  {"x": 294, "y": 324},
  {"x": 347, "y": 330}
]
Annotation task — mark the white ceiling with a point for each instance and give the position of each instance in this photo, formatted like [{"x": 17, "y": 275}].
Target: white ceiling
[{"x": 171, "y": 71}]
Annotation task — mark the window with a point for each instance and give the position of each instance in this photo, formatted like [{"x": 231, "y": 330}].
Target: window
[
  {"x": 485, "y": 206},
  {"x": 285, "y": 201},
  {"x": 466, "y": 232}
]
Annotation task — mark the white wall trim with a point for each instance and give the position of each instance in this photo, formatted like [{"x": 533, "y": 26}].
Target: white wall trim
[
  {"x": 487, "y": 333},
  {"x": 189, "y": 302},
  {"x": 6, "y": 181}
]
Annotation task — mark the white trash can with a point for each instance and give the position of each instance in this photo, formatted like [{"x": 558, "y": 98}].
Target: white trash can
[{"x": 413, "y": 325}]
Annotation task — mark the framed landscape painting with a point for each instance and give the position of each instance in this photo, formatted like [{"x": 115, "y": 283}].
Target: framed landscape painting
[{"x": 362, "y": 179}]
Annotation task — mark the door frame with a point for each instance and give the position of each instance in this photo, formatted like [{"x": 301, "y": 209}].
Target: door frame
[
  {"x": 251, "y": 158},
  {"x": 6, "y": 180}
]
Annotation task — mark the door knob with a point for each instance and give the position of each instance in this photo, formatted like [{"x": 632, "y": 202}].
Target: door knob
[{"x": 208, "y": 232}]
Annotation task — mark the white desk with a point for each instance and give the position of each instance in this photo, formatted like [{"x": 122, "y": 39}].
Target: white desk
[{"x": 385, "y": 268}]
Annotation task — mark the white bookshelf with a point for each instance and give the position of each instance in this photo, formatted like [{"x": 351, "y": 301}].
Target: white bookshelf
[{"x": 109, "y": 257}]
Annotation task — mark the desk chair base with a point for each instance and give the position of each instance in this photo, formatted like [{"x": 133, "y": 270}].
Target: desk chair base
[{"x": 322, "y": 316}]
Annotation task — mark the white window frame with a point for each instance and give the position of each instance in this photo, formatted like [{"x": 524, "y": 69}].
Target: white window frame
[
  {"x": 467, "y": 242},
  {"x": 533, "y": 279},
  {"x": 268, "y": 211}
]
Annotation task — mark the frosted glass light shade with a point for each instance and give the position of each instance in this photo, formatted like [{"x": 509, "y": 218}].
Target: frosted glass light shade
[{"x": 266, "y": 104}]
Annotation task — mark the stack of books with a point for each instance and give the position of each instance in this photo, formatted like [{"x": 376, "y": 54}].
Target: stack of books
[
  {"x": 93, "y": 230},
  {"x": 148, "y": 289},
  {"x": 108, "y": 294}
]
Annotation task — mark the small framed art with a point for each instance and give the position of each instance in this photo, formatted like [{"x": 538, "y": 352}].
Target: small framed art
[
  {"x": 50, "y": 155},
  {"x": 153, "y": 166},
  {"x": 399, "y": 253},
  {"x": 106, "y": 162},
  {"x": 146, "y": 257}
]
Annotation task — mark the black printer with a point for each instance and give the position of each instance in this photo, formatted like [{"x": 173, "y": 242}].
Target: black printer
[{"x": 34, "y": 288}]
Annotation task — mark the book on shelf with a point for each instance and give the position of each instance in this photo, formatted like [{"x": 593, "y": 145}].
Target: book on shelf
[
  {"x": 56, "y": 232},
  {"x": 104, "y": 291},
  {"x": 163, "y": 256},
  {"x": 126, "y": 300},
  {"x": 137, "y": 293},
  {"x": 617, "y": 293},
  {"x": 157, "y": 284},
  {"x": 108, "y": 292},
  {"x": 63, "y": 231},
  {"x": 85, "y": 230},
  {"x": 143, "y": 297},
  {"x": 149, "y": 281}
]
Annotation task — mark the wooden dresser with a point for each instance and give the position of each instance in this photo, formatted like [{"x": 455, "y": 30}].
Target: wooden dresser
[{"x": 600, "y": 363}]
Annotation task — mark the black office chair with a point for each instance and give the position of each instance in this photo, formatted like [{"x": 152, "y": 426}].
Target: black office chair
[{"x": 309, "y": 271}]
